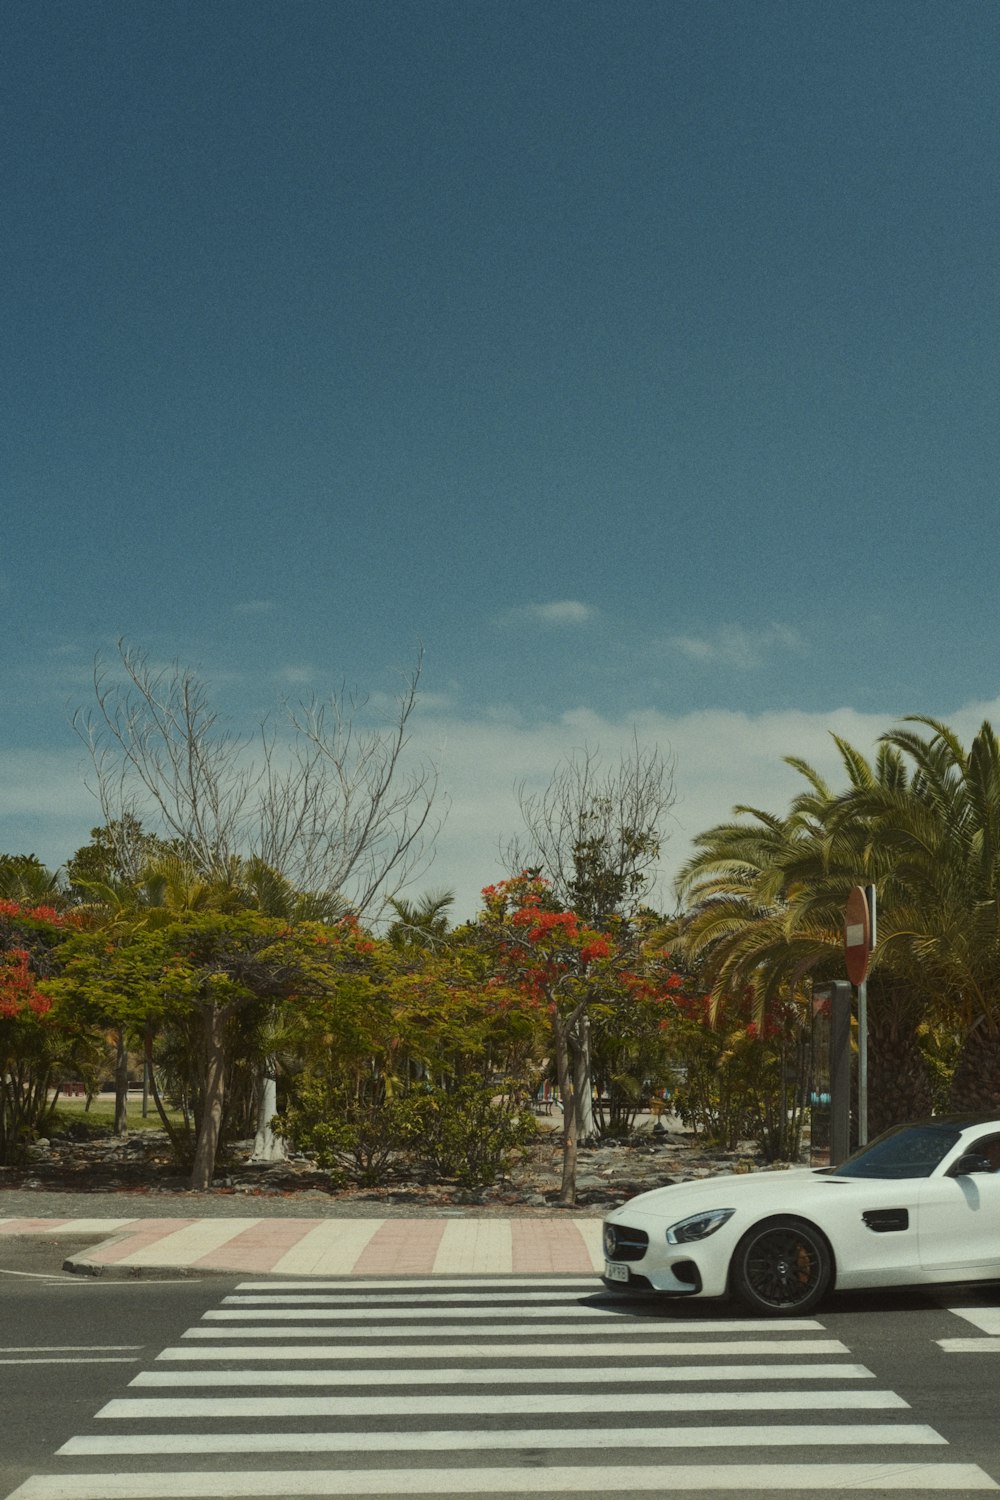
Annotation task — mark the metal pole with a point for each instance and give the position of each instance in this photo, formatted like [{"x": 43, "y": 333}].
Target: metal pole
[
  {"x": 863, "y": 1063},
  {"x": 840, "y": 1072}
]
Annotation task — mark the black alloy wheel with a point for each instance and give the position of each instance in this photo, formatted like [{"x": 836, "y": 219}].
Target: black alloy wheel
[{"x": 781, "y": 1267}]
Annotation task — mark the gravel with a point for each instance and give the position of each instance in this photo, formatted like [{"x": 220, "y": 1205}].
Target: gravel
[{"x": 136, "y": 1178}]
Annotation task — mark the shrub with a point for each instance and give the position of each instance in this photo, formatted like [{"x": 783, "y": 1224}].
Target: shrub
[
  {"x": 469, "y": 1134},
  {"x": 354, "y": 1139},
  {"x": 472, "y": 1133}
]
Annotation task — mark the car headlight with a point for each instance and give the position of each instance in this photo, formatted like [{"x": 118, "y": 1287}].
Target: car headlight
[{"x": 698, "y": 1226}]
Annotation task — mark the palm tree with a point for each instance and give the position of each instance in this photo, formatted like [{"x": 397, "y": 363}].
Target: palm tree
[
  {"x": 423, "y": 923},
  {"x": 765, "y": 909},
  {"x": 923, "y": 824},
  {"x": 764, "y": 899},
  {"x": 940, "y": 833},
  {"x": 24, "y": 878}
]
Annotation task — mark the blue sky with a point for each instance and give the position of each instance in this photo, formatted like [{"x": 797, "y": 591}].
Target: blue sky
[{"x": 637, "y": 359}]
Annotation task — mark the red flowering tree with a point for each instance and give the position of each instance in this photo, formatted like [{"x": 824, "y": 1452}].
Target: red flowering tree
[
  {"x": 418, "y": 1052},
  {"x": 34, "y": 1044},
  {"x": 575, "y": 974}
]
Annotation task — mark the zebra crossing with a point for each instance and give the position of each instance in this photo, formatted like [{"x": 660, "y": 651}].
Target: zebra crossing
[
  {"x": 987, "y": 1320},
  {"x": 494, "y": 1386}
]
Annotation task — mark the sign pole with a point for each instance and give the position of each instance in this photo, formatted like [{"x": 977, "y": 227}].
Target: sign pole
[
  {"x": 863, "y": 1063},
  {"x": 859, "y": 940}
]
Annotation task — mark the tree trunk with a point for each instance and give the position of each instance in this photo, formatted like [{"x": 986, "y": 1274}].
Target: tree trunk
[
  {"x": 899, "y": 1086},
  {"x": 976, "y": 1084},
  {"x": 121, "y": 1085},
  {"x": 583, "y": 1086},
  {"x": 564, "y": 1077},
  {"x": 210, "y": 1130},
  {"x": 899, "y": 1080},
  {"x": 267, "y": 1146}
]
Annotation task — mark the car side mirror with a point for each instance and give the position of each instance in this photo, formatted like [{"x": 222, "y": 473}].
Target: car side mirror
[{"x": 971, "y": 1162}]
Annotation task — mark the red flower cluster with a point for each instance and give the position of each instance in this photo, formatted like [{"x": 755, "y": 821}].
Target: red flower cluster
[
  {"x": 17, "y": 986},
  {"x": 545, "y": 922},
  {"x": 598, "y": 948},
  {"x": 17, "y": 909}
]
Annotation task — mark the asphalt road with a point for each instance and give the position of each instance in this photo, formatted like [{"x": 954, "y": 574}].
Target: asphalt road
[
  {"x": 376, "y": 1367},
  {"x": 903, "y": 1338},
  {"x": 70, "y": 1343}
]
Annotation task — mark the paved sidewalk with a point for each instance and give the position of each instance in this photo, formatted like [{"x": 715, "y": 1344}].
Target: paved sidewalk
[{"x": 445, "y": 1246}]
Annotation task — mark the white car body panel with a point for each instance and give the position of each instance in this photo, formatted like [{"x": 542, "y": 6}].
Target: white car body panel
[
  {"x": 960, "y": 1227},
  {"x": 918, "y": 1230}
]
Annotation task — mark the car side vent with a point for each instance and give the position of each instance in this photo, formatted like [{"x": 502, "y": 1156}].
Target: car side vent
[{"x": 887, "y": 1220}]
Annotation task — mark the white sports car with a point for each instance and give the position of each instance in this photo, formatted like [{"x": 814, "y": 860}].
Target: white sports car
[{"x": 920, "y": 1204}]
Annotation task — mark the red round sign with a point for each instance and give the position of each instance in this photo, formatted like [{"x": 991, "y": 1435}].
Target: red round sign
[{"x": 857, "y": 935}]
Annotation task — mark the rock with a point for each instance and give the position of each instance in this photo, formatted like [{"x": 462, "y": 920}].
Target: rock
[{"x": 608, "y": 1173}]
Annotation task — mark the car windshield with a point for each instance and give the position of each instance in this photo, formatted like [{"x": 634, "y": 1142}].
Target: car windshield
[{"x": 905, "y": 1151}]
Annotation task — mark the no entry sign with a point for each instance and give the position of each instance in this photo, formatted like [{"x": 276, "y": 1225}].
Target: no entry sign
[{"x": 857, "y": 935}]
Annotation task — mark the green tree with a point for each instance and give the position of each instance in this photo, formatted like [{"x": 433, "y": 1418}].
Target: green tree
[
  {"x": 414, "y": 1049},
  {"x": 201, "y": 971},
  {"x": 115, "y": 859}
]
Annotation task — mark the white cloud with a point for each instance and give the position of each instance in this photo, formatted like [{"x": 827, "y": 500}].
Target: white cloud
[
  {"x": 559, "y": 612},
  {"x": 720, "y": 758},
  {"x": 254, "y": 607},
  {"x": 734, "y": 646}
]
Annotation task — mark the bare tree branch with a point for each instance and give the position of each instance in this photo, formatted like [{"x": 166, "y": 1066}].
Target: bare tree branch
[
  {"x": 332, "y": 811},
  {"x": 596, "y": 833}
]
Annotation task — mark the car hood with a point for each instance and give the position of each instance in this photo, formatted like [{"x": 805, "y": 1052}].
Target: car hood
[{"x": 782, "y": 1190}]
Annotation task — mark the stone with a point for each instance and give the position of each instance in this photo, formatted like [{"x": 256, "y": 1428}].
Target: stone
[{"x": 608, "y": 1173}]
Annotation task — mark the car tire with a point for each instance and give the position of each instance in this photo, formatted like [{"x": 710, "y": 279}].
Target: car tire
[{"x": 781, "y": 1267}]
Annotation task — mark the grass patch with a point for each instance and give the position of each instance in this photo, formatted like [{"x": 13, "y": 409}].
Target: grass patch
[{"x": 99, "y": 1119}]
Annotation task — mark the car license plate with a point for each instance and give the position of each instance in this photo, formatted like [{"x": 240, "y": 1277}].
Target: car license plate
[{"x": 613, "y": 1272}]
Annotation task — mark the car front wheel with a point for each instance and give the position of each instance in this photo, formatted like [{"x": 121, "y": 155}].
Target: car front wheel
[{"x": 781, "y": 1267}]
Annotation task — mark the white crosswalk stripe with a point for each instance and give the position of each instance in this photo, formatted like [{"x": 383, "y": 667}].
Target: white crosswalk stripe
[
  {"x": 494, "y": 1350},
  {"x": 507, "y": 1329},
  {"x": 518, "y": 1438},
  {"x": 499, "y": 1389},
  {"x": 500, "y": 1404},
  {"x": 233, "y": 1484},
  {"x": 985, "y": 1318}
]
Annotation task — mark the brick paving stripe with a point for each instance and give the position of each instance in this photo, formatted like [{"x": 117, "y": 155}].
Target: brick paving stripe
[
  {"x": 143, "y": 1234},
  {"x": 283, "y": 1246},
  {"x": 404, "y": 1246},
  {"x": 258, "y": 1246}
]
